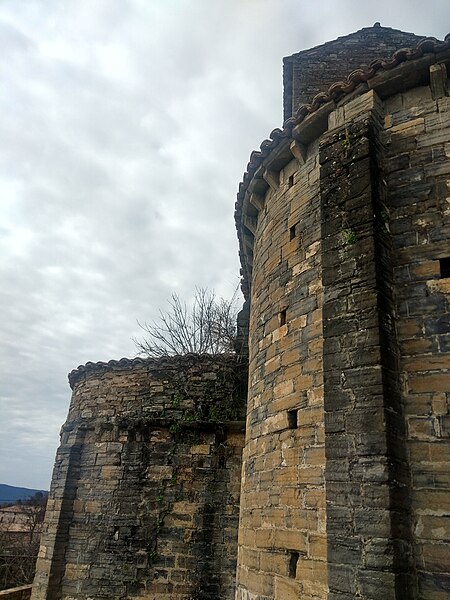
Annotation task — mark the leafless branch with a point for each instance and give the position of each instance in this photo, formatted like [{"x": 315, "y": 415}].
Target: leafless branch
[
  {"x": 209, "y": 327},
  {"x": 20, "y": 530}
]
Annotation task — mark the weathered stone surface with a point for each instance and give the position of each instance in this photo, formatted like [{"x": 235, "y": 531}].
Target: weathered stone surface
[
  {"x": 365, "y": 298},
  {"x": 145, "y": 492}
]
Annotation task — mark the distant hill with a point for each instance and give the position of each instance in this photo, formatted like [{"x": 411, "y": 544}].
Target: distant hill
[{"x": 10, "y": 493}]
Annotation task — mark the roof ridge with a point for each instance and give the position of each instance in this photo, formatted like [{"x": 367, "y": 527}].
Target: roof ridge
[{"x": 374, "y": 27}]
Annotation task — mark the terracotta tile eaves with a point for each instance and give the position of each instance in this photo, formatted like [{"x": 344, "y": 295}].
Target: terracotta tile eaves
[{"x": 152, "y": 364}]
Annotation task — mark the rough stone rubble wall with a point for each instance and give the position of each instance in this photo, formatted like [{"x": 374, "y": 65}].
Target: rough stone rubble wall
[{"x": 145, "y": 494}]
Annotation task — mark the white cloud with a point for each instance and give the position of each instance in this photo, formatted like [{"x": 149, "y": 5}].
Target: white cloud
[{"x": 126, "y": 126}]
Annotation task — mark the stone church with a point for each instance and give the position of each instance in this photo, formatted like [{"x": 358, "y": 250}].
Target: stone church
[{"x": 314, "y": 463}]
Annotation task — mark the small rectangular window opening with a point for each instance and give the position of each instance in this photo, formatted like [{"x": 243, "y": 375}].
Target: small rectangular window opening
[
  {"x": 222, "y": 456},
  {"x": 444, "y": 264},
  {"x": 290, "y": 181},
  {"x": 292, "y": 419},
  {"x": 294, "y": 232},
  {"x": 282, "y": 317},
  {"x": 293, "y": 560}
]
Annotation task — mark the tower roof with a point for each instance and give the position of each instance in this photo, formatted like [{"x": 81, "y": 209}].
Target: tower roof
[{"x": 311, "y": 71}]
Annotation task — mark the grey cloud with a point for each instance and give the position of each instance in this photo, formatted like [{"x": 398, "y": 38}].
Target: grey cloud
[{"x": 126, "y": 128}]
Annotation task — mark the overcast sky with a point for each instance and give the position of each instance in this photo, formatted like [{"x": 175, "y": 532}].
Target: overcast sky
[{"x": 126, "y": 126}]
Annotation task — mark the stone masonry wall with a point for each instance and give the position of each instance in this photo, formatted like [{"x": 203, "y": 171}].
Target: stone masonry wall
[
  {"x": 345, "y": 480},
  {"x": 145, "y": 493},
  {"x": 282, "y": 539},
  {"x": 417, "y": 171},
  {"x": 367, "y": 483}
]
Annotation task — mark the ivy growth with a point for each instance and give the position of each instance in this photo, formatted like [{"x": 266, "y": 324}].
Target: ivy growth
[
  {"x": 350, "y": 237},
  {"x": 177, "y": 399},
  {"x": 346, "y": 143},
  {"x": 385, "y": 218}
]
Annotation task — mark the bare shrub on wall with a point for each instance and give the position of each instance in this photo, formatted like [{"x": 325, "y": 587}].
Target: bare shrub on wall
[{"x": 209, "y": 327}]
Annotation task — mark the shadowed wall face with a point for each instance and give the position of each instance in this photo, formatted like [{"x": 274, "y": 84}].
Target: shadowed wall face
[
  {"x": 145, "y": 494},
  {"x": 416, "y": 136}
]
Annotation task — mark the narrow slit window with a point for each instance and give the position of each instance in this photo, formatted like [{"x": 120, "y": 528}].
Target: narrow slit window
[
  {"x": 444, "y": 264},
  {"x": 282, "y": 317},
  {"x": 222, "y": 457},
  {"x": 290, "y": 181},
  {"x": 293, "y": 560},
  {"x": 294, "y": 231},
  {"x": 292, "y": 419}
]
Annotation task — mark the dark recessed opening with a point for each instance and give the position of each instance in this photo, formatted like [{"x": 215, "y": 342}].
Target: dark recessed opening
[
  {"x": 294, "y": 232},
  {"x": 292, "y": 419},
  {"x": 444, "y": 264},
  {"x": 282, "y": 317},
  {"x": 293, "y": 560},
  {"x": 221, "y": 449},
  {"x": 222, "y": 456},
  {"x": 291, "y": 181}
]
